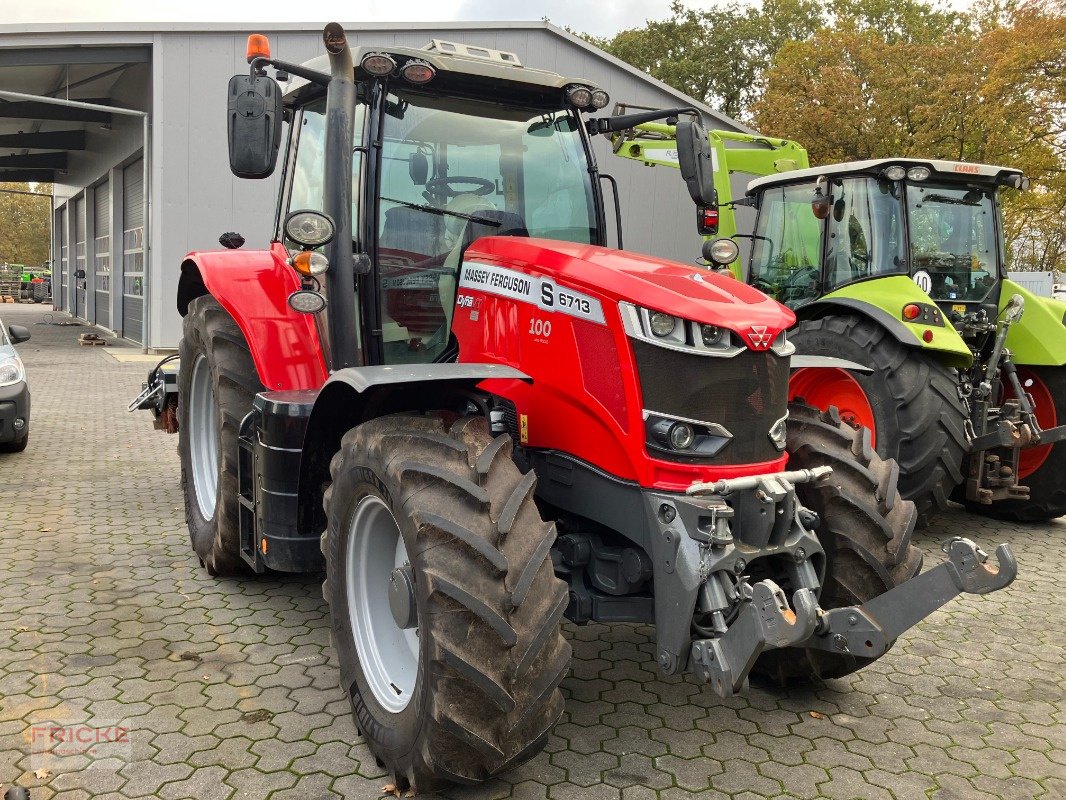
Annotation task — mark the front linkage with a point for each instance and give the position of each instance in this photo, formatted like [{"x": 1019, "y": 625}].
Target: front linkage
[
  {"x": 767, "y": 522},
  {"x": 998, "y": 434}
]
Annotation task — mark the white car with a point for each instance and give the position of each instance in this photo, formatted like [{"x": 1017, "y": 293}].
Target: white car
[{"x": 14, "y": 392}]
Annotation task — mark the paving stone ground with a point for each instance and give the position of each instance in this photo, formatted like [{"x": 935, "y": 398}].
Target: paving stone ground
[{"x": 229, "y": 688}]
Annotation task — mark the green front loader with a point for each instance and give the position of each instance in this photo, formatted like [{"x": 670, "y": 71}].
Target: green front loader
[
  {"x": 753, "y": 155},
  {"x": 898, "y": 265}
]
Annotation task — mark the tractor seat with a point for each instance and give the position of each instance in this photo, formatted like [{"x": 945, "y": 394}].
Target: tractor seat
[
  {"x": 468, "y": 231},
  {"x": 408, "y": 230}
]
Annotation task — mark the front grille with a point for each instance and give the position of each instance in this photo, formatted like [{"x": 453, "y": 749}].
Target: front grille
[{"x": 745, "y": 394}]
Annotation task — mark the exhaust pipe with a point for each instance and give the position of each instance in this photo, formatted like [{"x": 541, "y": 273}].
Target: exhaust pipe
[{"x": 337, "y": 191}]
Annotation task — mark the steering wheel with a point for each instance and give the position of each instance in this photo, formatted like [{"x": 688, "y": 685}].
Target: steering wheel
[
  {"x": 444, "y": 185},
  {"x": 764, "y": 286}
]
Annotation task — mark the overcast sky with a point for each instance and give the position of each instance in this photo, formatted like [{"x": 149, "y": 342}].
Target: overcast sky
[{"x": 601, "y": 18}]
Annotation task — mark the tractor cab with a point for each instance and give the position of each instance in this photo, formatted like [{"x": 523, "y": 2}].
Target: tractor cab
[
  {"x": 938, "y": 222},
  {"x": 430, "y": 149},
  {"x": 467, "y": 143}
]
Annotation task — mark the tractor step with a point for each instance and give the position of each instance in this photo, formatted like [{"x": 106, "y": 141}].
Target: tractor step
[
  {"x": 268, "y": 475},
  {"x": 250, "y": 545}
]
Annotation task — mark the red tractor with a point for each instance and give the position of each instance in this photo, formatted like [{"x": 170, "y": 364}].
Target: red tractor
[{"x": 439, "y": 386}]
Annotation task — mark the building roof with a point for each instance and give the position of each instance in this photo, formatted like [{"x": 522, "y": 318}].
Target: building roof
[{"x": 9, "y": 35}]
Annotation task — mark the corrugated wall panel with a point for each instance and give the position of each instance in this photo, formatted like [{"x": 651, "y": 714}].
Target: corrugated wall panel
[
  {"x": 102, "y": 253},
  {"x": 79, "y": 258},
  {"x": 133, "y": 251},
  {"x": 59, "y": 287}
]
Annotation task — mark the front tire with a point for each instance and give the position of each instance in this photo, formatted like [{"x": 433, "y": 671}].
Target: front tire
[
  {"x": 216, "y": 386},
  {"x": 865, "y": 529},
  {"x": 16, "y": 446},
  {"x": 478, "y": 691},
  {"x": 917, "y": 419}
]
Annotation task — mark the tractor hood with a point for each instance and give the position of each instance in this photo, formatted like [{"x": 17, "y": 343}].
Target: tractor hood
[{"x": 689, "y": 292}]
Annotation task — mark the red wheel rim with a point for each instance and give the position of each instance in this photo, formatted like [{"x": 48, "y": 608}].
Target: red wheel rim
[
  {"x": 835, "y": 387},
  {"x": 1032, "y": 458}
]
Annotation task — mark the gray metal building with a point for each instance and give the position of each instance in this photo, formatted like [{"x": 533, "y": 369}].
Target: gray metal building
[{"x": 127, "y": 210}]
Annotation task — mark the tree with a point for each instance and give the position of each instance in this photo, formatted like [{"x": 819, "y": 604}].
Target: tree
[
  {"x": 24, "y": 223},
  {"x": 715, "y": 56},
  {"x": 988, "y": 87},
  {"x": 856, "y": 79}
]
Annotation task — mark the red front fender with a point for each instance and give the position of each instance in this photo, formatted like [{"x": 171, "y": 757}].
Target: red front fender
[{"x": 254, "y": 286}]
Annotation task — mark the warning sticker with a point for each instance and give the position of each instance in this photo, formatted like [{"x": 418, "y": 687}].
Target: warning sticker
[{"x": 544, "y": 293}]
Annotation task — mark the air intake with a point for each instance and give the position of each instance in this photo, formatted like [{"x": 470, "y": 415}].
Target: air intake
[{"x": 469, "y": 51}]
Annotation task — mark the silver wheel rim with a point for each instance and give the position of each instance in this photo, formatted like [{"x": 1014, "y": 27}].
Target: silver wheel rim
[
  {"x": 388, "y": 653},
  {"x": 203, "y": 437}
]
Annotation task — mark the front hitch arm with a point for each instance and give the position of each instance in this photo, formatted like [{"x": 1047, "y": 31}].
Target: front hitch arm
[{"x": 869, "y": 629}]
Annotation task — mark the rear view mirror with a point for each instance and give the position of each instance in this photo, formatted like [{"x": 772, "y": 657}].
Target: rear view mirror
[
  {"x": 18, "y": 334},
  {"x": 254, "y": 121},
  {"x": 694, "y": 158},
  {"x": 418, "y": 168},
  {"x": 821, "y": 204}
]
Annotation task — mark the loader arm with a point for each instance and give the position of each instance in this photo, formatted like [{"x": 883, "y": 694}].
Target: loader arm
[{"x": 655, "y": 143}]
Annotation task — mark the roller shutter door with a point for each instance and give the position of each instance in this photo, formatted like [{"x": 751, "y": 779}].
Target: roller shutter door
[
  {"x": 102, "y": 253},
  {"x": 133, "y": 251},
  {"x": 79, "y": 258},
  {"x": 59, "y": 282}
]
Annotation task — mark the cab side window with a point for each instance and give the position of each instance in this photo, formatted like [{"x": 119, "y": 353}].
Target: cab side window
[{"x": 308, "y": 175}]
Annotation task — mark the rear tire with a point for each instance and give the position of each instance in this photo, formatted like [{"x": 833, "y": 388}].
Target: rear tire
[
  {"x": 490, "y": 652},
  {"x": 865, "y": 530},
  {"x": 918, "y": 416},
  {"x": 217, "y": 363},
  {"x": 1047, "y": 484}
]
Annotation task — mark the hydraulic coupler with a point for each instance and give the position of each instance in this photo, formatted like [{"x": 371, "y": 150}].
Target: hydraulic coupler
[{"x": 867, "y": 630}]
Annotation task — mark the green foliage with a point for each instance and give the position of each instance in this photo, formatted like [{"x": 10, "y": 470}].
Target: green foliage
[
  {"x": 716, "y": 56},
  {"x": 854, "y": 79},
  {"x": 24, "y": 223}
]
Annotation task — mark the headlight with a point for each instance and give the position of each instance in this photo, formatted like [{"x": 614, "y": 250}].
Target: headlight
[
  {"x": 600, "y": 99},
  {"x": 11, "y": 370},
  {"x": 918, "y": 173},
  {"x": 711, "y": 335},
  {"x": 579, "y": 96},
  {"x": 681, "y": 436},
  {"x": 662, "y": 324},
  {"x": 309, "y": 229},
  {"x": 378, "y": 64},
  {"x": 723, "y": 252},
  {"x": 305, "y": 301},
  {"x": 895, "y": 172},
  {"x": 418, "y": 71}
]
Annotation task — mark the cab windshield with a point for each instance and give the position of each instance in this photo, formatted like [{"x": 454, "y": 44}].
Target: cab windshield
[
  {"x": 953, "y": 241},
  {"x": 453, "y": 171},
  {"x": 787, "y": 248},
  {"x": 861, "y": 237}
]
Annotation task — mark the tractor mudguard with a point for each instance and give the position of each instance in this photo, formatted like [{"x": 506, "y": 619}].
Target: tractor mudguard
[
  {"x": 356, "y": 394},
  {"x": 826, "y": 362},
  {"x": 1039, "y": 337},
  {"x": 883, "y": 300},
  {"x": 253, "y": 286}
]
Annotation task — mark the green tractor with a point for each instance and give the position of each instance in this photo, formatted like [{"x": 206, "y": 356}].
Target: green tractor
[
  {"x": 35, "y": 283},
  {"x": 897, "y": 265}
]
